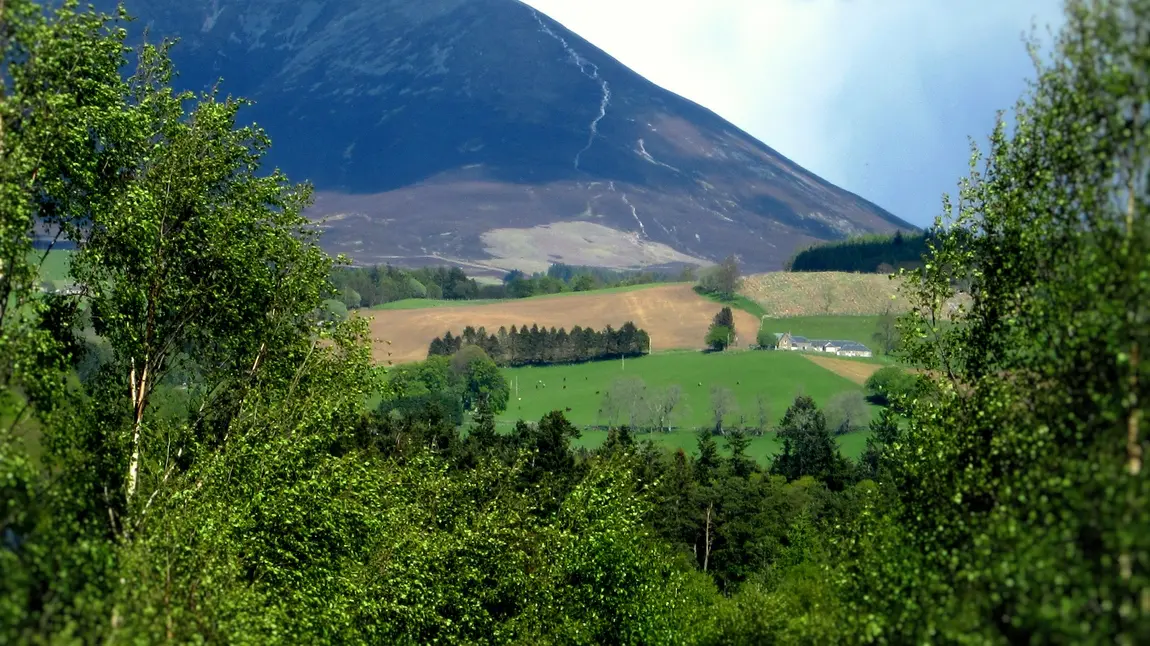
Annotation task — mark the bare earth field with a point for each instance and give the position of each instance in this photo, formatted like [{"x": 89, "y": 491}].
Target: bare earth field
[
  {"x": 674, "y": 315},
  {"x": 856, "y": 371}
]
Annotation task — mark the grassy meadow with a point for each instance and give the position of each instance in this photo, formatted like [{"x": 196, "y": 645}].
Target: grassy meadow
[
  {"x": 779, "y": 376},
  {"x": 849, "y": 328},
  {"x": 54, "y": 266}
]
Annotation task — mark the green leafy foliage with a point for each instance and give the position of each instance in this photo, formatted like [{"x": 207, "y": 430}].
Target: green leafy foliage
[
  {"x": 186, "y": 453},
  {"x": 891, "y": 384},
  {"x": 721, "y": 332},
  {"x": 379, "y": 285},
  {"x": 464, "y": 381}
]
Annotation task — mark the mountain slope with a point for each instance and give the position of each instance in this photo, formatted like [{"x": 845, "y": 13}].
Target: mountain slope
[{"x": 484, "y": 132}]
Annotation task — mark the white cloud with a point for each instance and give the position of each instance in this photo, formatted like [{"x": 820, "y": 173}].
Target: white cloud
[{"x": 877, "y": 96}]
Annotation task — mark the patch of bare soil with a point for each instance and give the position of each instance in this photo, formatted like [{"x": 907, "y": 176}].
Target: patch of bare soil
[
  {"x": 577, "y": 243},
  {"x": 674, "y": 315},
  {"x": 856, "y": 371}
]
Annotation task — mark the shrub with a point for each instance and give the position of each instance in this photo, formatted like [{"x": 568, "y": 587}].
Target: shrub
[{"x": 889, "y": 384}]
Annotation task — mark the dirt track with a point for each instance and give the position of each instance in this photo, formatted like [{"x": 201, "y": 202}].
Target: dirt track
[
  {"x": 856, "y": 371},
  {"x": 674, "y": 315}
]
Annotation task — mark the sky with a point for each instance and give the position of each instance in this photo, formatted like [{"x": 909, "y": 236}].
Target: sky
[{"x": 880, "y": 97}]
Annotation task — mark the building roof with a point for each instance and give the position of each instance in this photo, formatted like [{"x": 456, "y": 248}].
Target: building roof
[{"x": 840, "y": 344}]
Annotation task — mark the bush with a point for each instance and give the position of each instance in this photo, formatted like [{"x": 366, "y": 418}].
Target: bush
[
  {"x": 350, "y": 298},
  {"x": 416, "y": 288},
  {"x": 889, "y": 384},
  {"x": 767, "y": 339},
  {"x": 718, "y": 337},
  {"x": 334, "y": 310}
]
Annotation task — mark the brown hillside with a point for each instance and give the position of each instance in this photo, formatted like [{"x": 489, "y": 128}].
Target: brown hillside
[
  {"x": 674, "y": 315},
  {"x": 819, "y": 293}
]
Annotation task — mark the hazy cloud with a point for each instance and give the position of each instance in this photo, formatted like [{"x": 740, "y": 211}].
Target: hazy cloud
[{"x": 877, "y": 96}]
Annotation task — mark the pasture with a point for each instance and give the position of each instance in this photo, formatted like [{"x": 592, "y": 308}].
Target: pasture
[
  {"x": 54, "y": 266},
  {"x": 778, "y": 376}
]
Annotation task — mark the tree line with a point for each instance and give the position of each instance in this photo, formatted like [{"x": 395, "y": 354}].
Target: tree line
[
  {"x": 455, "y": 384},
  {"x": 525, "y": 346},
  {"x": 378, "y": 285},
  {"x": 631, "y": 402},
  {"x": 222, "y": 472},
  {"x": 868, "y": 254},
  {"x": 356, "y": 287},
  {"x": 561, "y": 277}
]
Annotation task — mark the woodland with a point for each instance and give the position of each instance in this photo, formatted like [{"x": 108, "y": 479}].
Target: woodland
[{"x": 1001, "y": 499}]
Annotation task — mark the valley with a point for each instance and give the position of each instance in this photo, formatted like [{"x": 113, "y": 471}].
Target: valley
[{"x": 481, "y": 337}]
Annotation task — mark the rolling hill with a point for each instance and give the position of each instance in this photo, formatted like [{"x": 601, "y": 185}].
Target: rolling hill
[
  {"x": 674, "y": 315},
  {"x": 483, "y": 133}
]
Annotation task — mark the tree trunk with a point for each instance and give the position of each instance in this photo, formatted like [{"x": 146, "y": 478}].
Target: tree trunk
[
  {"x": 1134, "y": 419},
  {"x": 707, "y": 538},
  {"x": 139, "y": 398}
]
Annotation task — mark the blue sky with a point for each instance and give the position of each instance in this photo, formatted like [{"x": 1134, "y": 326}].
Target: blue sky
[{"x": 877, "y": 96}]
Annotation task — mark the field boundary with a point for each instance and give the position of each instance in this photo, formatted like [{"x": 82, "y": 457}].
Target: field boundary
[
  {"x": 427, "y": 303},
  {"x": 672, "y": 314},
  {"x": 856, "y": 371}
]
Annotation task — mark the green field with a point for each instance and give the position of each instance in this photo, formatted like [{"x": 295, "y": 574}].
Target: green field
[
  {"x": 848, "y": 328},
  {"x": 829, "y": 326},
  {"x": 420, "y": 303},
  {"x": 55, "y": 264},
  {"x": 739, "y": 302},
  {"x": 780, "y": 376}
]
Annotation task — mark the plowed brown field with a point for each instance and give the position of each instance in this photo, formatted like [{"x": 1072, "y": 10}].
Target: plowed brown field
[{"x": 674, "y": 315}]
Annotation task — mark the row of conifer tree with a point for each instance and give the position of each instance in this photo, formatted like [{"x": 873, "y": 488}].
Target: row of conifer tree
[{"x": 525, "y": 346}]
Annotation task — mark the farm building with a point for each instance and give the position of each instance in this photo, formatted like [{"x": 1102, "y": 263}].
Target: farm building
[{"x": 788, "y": 341}]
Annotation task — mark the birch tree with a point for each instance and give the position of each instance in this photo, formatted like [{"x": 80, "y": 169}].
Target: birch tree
[{"x": 199, "y": 254}]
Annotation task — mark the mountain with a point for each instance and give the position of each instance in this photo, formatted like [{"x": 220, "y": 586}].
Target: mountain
[{"x": 485, "y": 133}]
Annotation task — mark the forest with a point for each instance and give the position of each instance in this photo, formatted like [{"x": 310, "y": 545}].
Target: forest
[
  {"x": 355, "y": 287},
  {"x": 540, "y": 346},
  {"x": 869, "y": 254},
  {"x": 1002, "y": 498}
]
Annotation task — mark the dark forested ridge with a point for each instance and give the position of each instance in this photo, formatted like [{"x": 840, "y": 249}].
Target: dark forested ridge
[
  {"x": 541, "y": 346},
  {"x": 192, "y": 452},
  {"x": 882, "y": 254}
]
